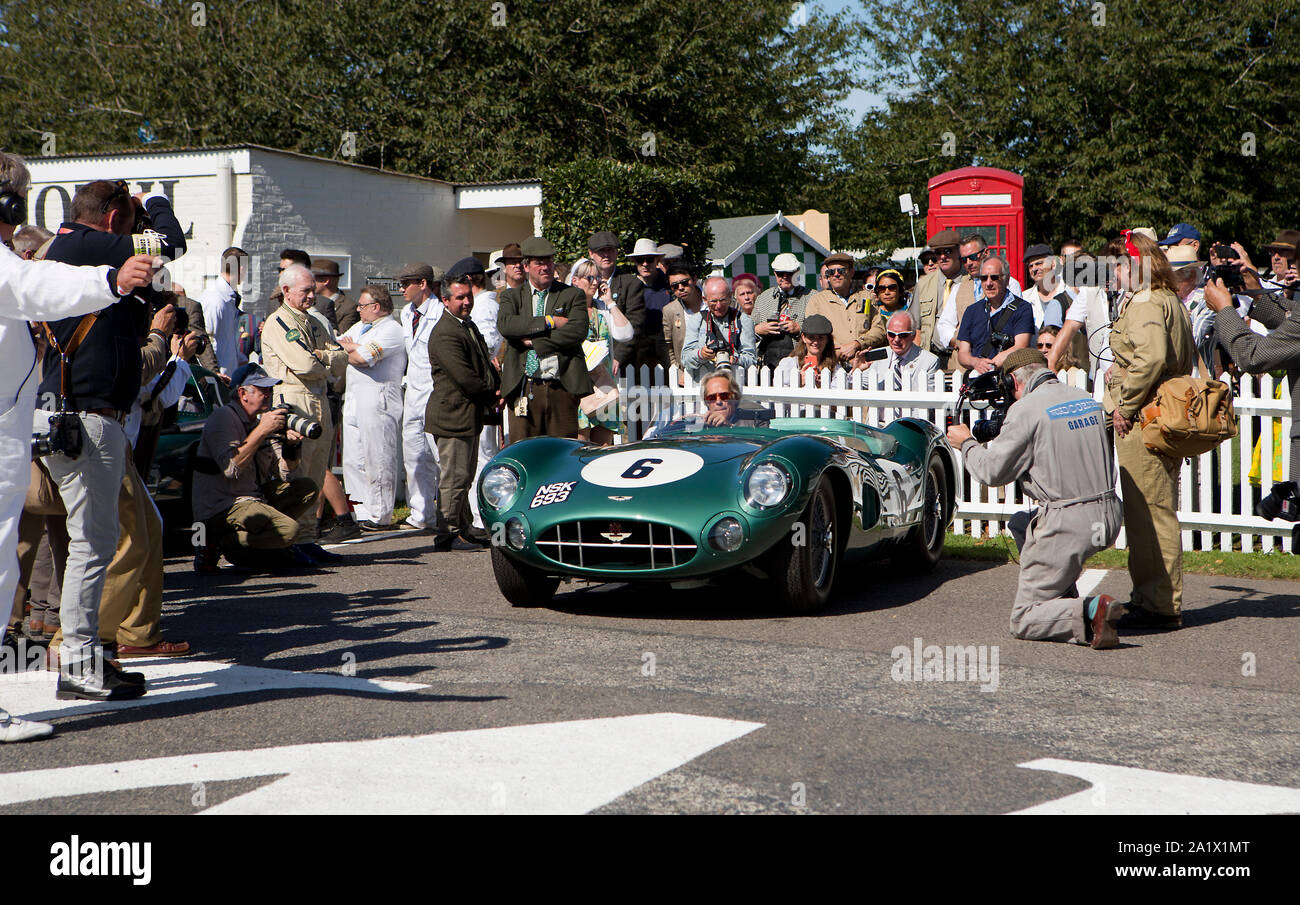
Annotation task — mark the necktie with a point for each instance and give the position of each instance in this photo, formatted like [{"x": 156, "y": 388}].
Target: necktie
[
  {"x": 365, "y": 328},
  {"x": 415, "y": 322},
  {"x": 238, "y": 298},
  {"x": 531, "y": 364},
  {"x": 898, "y": 382}
]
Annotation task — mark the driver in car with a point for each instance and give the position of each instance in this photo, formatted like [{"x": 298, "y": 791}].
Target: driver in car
[{"x": 722, "y": 398}]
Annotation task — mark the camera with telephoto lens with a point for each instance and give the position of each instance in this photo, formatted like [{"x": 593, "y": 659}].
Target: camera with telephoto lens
[
  {"x": 1282, "y": 502},
  {"x": 991, "y": 393},
  {"x": 64, "y": 437},
  {"x": 295, "y": 422},
  {"x": 721, "y": 350}
]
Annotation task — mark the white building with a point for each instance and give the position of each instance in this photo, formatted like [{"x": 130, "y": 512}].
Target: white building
[{"x": 263, "y": 200}]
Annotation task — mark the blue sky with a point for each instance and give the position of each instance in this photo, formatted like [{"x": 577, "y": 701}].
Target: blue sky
[{"x": 859, "y": 100}]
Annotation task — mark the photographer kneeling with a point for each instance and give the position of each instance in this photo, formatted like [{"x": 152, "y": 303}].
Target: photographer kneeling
[
  {"x": 243, "y": 492},
  {"x": 1053, "y": 441}
]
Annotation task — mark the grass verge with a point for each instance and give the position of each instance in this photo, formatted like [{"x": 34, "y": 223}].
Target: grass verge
[{"x": 1001, "y": 549}]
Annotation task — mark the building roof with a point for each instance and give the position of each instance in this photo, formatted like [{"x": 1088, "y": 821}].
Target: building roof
[
  {"x": 732, "y": 235},
  {"x": 148, "y": 150}
]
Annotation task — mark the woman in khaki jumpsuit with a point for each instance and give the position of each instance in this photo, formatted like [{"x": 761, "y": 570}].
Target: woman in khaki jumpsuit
[{"x": 1152, "y": 341}]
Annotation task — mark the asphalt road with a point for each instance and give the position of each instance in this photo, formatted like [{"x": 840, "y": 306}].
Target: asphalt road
[{"x": 280, "y": 708}]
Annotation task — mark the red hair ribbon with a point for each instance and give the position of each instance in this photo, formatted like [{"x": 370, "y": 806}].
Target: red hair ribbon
[{"x": 1129, "y": 246}]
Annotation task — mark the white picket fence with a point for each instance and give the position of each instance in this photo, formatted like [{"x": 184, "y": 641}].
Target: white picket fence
[{"x": 1217, "y": 498}]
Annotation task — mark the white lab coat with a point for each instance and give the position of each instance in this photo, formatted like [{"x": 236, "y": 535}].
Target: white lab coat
[
  {"x": 419, "y": 456},
  {"x": 36, "y": 291},
  {"x": 372, "y": 417}
]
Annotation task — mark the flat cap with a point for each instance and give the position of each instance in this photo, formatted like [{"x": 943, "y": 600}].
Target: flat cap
[
  {"x": 817, "y": 325},
  {"x": 671, "y": 251},
  {"x": 324, "y": 267},
  {"x": 420, "y": 272},
  {"x": 470, "y": 265},
  {"x": 840, "y": 258},
  {"x": 602, "y": 239},
  {"x": 784, "y": 263},
  {"x": 1021, "y": 357},
  {"x": 1037, "y": 251},
  {"x": 537, "y": 247},
  {"x": 947, "y": 238}
]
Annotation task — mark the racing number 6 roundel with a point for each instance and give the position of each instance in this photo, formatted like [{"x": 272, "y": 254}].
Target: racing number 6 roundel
[{"x": 642, "y": 468}]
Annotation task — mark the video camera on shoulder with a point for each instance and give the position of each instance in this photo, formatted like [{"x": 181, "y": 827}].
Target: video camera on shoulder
[{"x": 991, "y": 393}]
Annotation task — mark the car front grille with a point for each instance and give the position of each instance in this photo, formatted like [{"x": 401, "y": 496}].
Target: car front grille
[{"x": 616, "y": 544}]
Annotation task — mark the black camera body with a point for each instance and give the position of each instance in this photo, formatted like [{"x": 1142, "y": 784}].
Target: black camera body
[
  {"x": 310, "y": 429},
  {"x": 1229, "y": 273},
  {"x": 64, "y": 437},
  {"x": 1283, "y": 501},
  {"x": 991, "y": 393}
]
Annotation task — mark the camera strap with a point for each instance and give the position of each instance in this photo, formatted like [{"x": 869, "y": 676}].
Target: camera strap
[
  {"x": 1000, "y": 326},
  {"x": 66, "y": 353}
]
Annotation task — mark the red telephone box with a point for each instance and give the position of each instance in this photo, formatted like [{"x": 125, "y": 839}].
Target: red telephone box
[{"x": 982, "y": 200}]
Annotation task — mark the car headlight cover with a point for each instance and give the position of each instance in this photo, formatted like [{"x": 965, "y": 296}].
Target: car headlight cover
[
  {"x": 516, "y": 534},
  {"x": 500, "y": 483},
  {"x": 767, "y": 485},
  {"x": 727, "y": 535}
]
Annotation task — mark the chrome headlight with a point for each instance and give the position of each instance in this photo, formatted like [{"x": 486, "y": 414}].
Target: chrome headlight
[
  {"x": 516, "y": 533},
  {"x": 500, "y": 483},
  {"x": 727, "y": 535},
  {"x": 767, "y": 486}
]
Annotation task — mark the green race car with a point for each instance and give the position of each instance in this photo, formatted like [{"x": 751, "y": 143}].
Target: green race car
[{"x": 784, "y": 503}]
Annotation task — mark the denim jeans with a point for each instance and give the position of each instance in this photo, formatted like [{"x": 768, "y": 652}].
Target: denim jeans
[{"x": 89, "y": 485}]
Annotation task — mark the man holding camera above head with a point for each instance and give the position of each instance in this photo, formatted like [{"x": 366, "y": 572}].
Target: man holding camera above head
[
  {"x": 1053, "y": 442},
  {"x": 245, "y": 492},
  {"x": 297, "y": 351},
  {"x": 719, "y": 335},
  {"x": 34, "y": 290},
  {"x": 1259, "y": 354},
  {"x": 94, "y": 365}
]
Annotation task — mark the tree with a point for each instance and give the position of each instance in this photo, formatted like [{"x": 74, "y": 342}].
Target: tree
[
  {"x": 630, "y": 200},
  {"x": 1117, "y": 115},
  {"x": 466, "y": 90}
]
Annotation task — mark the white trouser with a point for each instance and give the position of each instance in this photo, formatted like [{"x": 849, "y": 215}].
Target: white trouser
[
  {"x": 420, "y": 459},
  {"x": 487, "y": 448},
  {"x": 372, "y": 415},
  {"x": 15, "y": 455}
]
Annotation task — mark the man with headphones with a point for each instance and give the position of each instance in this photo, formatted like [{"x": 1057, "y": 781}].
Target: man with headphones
[{"x": 35, "y": 290}]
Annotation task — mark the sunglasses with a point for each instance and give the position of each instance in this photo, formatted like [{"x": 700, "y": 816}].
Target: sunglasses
[
  {"x": 719, "y": 397},
  {"x": 886, "y": 287},
  {"x": 990, "y": 278},
  {"x": 1044, "y": 347},
  {"x": 973, "y": 257},
  {"x": 680, "y": 284},
  {"x": 892, "y": 335},
  {"x": 836, "y": 271},
  {"x": 944, "y": 252},
  {"x": 870, "y": 287},
  {"x": 120, "y": 190}
]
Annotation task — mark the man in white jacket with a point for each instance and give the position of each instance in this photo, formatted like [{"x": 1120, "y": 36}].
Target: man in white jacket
[{"x": 35, "y": 291}]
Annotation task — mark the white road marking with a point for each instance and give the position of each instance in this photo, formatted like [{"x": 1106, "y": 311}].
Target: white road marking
[
  {"x": 548, "y": 768},
  {"x": 1089, "y": 581},
  {"x": 31, "y": 694},
  {"x": 1127, "y": 790}
]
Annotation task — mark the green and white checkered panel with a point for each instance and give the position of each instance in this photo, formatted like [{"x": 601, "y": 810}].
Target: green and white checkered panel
[{"x": 757, "y": 259}]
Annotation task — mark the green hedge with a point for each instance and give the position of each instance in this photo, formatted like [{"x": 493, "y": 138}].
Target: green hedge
[{"x": 631, "y": 200}]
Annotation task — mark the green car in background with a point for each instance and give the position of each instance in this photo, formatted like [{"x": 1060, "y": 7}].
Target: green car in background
[
  {"x": 785, "y": 503},
  {"x": 170, "y": 476}
]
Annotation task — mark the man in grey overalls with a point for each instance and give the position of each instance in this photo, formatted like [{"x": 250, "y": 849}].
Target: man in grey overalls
[{"x": 1054, "y": 443}]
